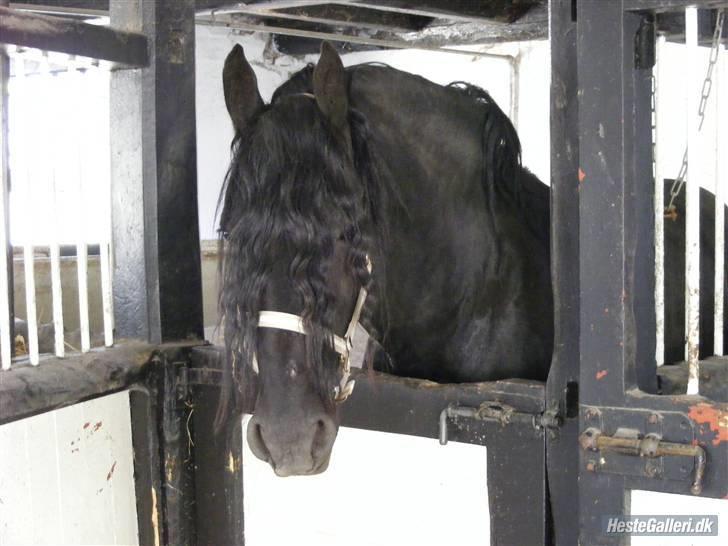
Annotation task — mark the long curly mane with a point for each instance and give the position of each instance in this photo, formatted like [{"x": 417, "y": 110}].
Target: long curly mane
[{"x": 292, "y": 190}]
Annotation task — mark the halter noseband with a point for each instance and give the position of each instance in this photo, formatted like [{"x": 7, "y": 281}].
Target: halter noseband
[{"x": 342, "y": 345}]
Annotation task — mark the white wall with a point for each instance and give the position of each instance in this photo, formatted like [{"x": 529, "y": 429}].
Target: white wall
[{"x": 66, "y": 477}]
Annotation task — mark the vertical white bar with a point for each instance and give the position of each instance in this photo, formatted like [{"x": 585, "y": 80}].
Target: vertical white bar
[
  {"x": 55, "y": 251},
  {"x": 81, "y": 244},
  {"x": 105, "y": 265},
  {"x": 106, "y": 259},
  {"x": 6, "y": 352},
  {"x": 721, "y": 172},
  {"x": 692, "y": 204},
  {"x": 26, "y": 183},
  {"x": 56, "y": 288},
  {"x": 659, "y": 214}
]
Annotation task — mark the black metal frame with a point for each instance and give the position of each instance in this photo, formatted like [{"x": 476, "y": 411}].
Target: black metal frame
[
  {"x": 617, "y": 367},
  {"x": 189, "y": 481}
]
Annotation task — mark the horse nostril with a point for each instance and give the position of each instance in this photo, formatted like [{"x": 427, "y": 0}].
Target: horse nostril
[
  {"x": 323, "y": 437},
  {"x": 256, "y": 442}
]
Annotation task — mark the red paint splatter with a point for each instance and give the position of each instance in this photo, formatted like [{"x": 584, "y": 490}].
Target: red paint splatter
[
  {"x": 602, "y": 374},
  {"x": 714, "y": 417},
  {"x": 582, "y": 175},
  {"x": 97, "y": 426},
  {"x": 86, "y": 425},
  {"x": 111, "y": 472}
]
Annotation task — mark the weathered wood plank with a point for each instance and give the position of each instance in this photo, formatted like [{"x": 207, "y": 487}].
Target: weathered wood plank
[
  {"x": 55, "y": 383},
  {"x": 125, "y": 49}
]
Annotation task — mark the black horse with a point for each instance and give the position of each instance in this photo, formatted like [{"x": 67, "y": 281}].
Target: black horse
[{"x": 374, "y": 186}]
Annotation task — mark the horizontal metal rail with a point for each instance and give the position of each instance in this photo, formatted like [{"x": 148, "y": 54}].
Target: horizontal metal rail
[
  {"x": 56, "y": 383},
  {"x": 121, "y": 48}
]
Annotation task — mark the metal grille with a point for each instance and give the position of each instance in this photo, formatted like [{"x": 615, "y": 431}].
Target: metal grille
[
  {"x": 59, "y": 201},
  {"x": 704, "y": 97}
]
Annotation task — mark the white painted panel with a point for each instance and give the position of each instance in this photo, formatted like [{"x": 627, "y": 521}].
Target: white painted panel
[
  {"x": 43, "y": 477},
  {"x": 380, "y": 489},
  {"x": 16, "y": 503},
  {"x": 66, "y": 477},
  {"x": 651, "y": 503}
]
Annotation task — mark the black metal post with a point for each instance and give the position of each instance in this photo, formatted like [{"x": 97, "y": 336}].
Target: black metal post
[
  {"x": 562, "y": 387},
  {"x": 517, "y": 487},
  {"x": 609, "y": 92},
  {"x": 218, "y": 456},
  {"x": 157, "y": 276}
]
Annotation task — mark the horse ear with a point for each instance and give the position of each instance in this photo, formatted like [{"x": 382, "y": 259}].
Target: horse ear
[
  {"x": 240, "y": 86},
  {"x": 329, "y": 86}
]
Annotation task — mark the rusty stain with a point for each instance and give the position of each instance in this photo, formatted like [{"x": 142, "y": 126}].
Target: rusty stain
[
  {"x": 97, "y": 426},
  {"x": 582, "y": 175},
  {"x": 601, "y": 374},
  {"x": 714, "y": 417},
  {"x": 86, "y": 425},
  {"x": 111, "y": 472}
]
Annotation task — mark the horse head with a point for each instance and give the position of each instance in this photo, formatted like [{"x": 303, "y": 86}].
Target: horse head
[{"x": 295, "y": 270}]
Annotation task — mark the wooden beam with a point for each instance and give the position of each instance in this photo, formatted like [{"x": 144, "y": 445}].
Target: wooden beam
[
  {"x": 58, "y": 382},
  {"x": 127, "y": 49}
]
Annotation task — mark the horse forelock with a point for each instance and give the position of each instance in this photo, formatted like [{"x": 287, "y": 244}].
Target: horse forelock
[{"x": 293, "y": 189}]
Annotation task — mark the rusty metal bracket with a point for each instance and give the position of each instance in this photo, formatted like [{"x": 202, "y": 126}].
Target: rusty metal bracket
[
  {"x": 497, "y": 412},
  {"x": 636, "y": 434},
  {"x": 649, "y": 446}
]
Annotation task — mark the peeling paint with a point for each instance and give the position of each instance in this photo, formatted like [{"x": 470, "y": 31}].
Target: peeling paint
[
  {"x": 155, "y": 517},
  {"x": 601, "y": 374},
  {"x": 582, "y": 175},
  {"x": 714, "y": 417},
  {"x": 97, "y": 426},
  {"x": 111, "y": 472}
]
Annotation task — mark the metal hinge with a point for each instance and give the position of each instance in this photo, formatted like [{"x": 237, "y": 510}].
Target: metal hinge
[
  {"x": 188, "y": 377},
  {"x": 497, "y": 412}
]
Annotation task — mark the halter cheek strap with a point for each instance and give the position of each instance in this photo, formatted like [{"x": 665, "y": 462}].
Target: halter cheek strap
[{"x": 342, "y": 345}]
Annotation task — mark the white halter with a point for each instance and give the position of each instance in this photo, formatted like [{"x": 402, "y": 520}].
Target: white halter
[{"x": 342, "y": 345}]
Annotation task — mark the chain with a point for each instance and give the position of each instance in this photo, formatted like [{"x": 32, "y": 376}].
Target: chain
[{"x": 704, "y": 94}]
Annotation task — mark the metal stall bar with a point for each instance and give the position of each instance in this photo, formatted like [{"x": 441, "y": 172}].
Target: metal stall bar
[
  {"x": 692, "y": 205},
  {"x": 54, "y": 243},
  {"x": 721, "y": 173},
  {"x": 616, "y": 223},
  {"x": 6, "y": 333},
  {"x": 81, "y": 243},
  {"x": 659, "y": 167},
  {"x": 157, "y": 288},
  {"x": 25, "y": 181},
  {"x": 106, "y": 288},
  {"x": 562, "y": 386}
]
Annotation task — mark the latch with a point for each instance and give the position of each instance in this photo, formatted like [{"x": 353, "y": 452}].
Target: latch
[
  {"x": 650, "y": 446},
  {"x": 499, "y": 413}
]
